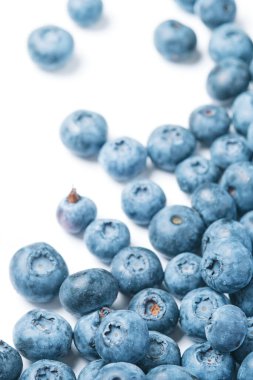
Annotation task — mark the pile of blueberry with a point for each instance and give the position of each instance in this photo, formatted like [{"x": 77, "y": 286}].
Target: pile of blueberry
[{"x": 210, "y": 271}]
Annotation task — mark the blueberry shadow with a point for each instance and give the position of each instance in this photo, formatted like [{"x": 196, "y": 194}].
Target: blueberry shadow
[
  {"x": 73, "y": 358},
  {"x": 177, "y": 334},
  {"x": 102, "y": 24},
  {"x": 194, "y": 58},
  {"x": 72, "y": 66},
  {"x": 54, "y": 305}
]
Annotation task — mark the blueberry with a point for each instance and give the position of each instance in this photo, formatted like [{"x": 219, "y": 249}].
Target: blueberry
[
  {"x": 88, "y": 290},
  {"x": 157, "y": 308},
  {"x": 237, "y": 180},
  {"x": 246, "y": 369},
  {"x": 247, "y": 346},
  {"x": 229, "y": 78},
  {"x": 247, "y": 222},
  {"x": 106, "y": 237},
  {"x": 85, "y": 331},
  {"x": 243, "y": 112},
  {"x": 123, "y": 158},
  {"x": 187, "y": 5},
  {"x": 208, "y": 364},
  {"x": 229, "y": 41},
  {"x": 251, "y": 69},
  {"x": 212, "y": 202},
  {"x": 75, "y": 213},
  {"x": 243, "y": 299},
  {"x": 85, "y": 12},
  {"x": 10, "y": 362},
  {"x": 225, "y": 229},
  {"x": 182, "y": 274},
  {"x": 226, "y": 266},
  {"x": 214, "y": 13},
  {"x": 37, "y": 272},
  {"x": 209, "y": 122},
  {"x": 229, "y": 149},
  {"x": 171, "y": 224},
  {"x": 91, "y": 370},
  {"x": 250, "y": 136},
  {"x": 136, "y": 268},
  {"x": 84, "y": 133},
  {"x": 226, "y": 329},
  {"x": 169, "y": 372},
  {"x": 48, "y": 370},
  {"x": 196, "y": 171},
  {"x": 120, "y": 371},
  {"x": 41, "y": 334},
  {"x": 122, "y": 337},
  {"x": 196, "y": 309},
  {"x": 141, "y": 200},
  {"x": 162, "y": 350},
  {"x": 50, "y": 47},
  {"x": 169, "y": 145}
]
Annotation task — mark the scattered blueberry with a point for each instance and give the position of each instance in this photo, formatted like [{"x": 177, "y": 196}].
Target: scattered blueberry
[
  {"x": 243, "y": 299},
  {"x": 247, "y": 346},
  {"x": 246, "y": 369},
  {"x": 214, "y": 13},
  {"x": 10, "y": 362},
  {"x": 169, "y": 372},
  {"x": 85, "y": 12},
  {"x": 243, "y": 112},
  {"x": 120, "y": 371},
  {"x": 48, "y": 370},
  {"x": 91, "y": 370}
]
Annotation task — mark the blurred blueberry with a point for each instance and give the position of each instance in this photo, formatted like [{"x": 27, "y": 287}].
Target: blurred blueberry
[
  {"x": 247, "y": 346},
  {"x": 251, "y": 69},
  {"x": 187, "y": 5},
  {"x": 120, "y": 371},
  {"x": 246, "y": 369},
  {"x": 243, "y": 112},
  {"x": 10, "y": 362},
  {"x": 48, "y": 369},
  {"x": 91, "y": 370},
  {"x": 243, "y": 299},
  {"x": 85, "y": 12},
  {"x": 214, "y": 13}
]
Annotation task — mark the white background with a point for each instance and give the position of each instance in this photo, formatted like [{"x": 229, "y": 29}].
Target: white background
[{"x": 117, "y": 72}]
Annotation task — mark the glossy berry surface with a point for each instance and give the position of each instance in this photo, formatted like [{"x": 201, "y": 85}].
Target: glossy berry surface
[
  {"x": 243, "y": 112},
  {"x": 121, "y": 371},
  {"x": 214, "y": 13},
  {"x": 85, "y": 12},
  {"x": 49, "y": 370},
  {"x": 169, "y": 372},
  {"x": 10, "y": 362},
  {"x": 37, "y": 272},
  {"x": 91, "y": 370}
]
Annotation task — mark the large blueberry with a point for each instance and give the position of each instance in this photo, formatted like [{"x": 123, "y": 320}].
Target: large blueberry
[
  {"x": 122, "y": 337},
  {"x": 243, "y": 299},
  {"x": 246, "y": 369},
  {"x": 37, "y": 272},
  {"x": 208, "y": 364},
  {"x": 214, "y": 13},
  {"x": 84, "y": 133},
  {"x": 158, "y": 309},
  {"x": 196, "y": 309},
  {"x": 169, "y": 372},
  {"x": 41, "y": 334},
  {"x": 247, "y": 345},
  {"x": 91, "y": 370},
  {"x": 168, "y": 145},
  {"x": 247, "y": 222},
  {"x": 171, "y": 224},
  {"x": 48, "y": 370},
  {"x": 10, "y": 362},
  {"x": 50, "y": 47},
  {"x": 141, "y": 200},
  {"x": 85, "y": 12},
  {"x": 123, "y": 158},
  {"x": 106, "y": 237},
  {"x": 88, "y": 290},
  {"x": 196, "y": 171},
  {"x": 243, "y": 112},
  {"x": 136, "y": 268},
  {"x": 120, "y": 371}
]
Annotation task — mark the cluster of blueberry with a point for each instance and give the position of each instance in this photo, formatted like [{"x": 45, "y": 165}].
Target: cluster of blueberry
[{"x": 215, "y": 288}]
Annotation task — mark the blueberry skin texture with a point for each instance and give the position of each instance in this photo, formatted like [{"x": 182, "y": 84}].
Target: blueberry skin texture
[
  {"x": 88, "y": 290},
  {"x": 162, "y": 350},
  {"x": 214, "y": 13},
  {"x": 246, "y": 369},
  {"x": 229, "y": 149},
  {"x": 237, "y": 180},
  {"x": 136, "y": 268},
  {"x": 106, "y": 237},
  {"x": 227, "y": 266},
  {"x": 37, "y": 272},
  {"x": 50, "y": 47},
  {"x": 91, "y": 370},
  {"x": 120, "y": 371},
  {"x": 170, "y": 224},
  {"x": 169, "y": 372},
  {"x": 224, "y": 229},
  {"x": 182, "y": 274},
  {"x": 243, "y": 112},
  {"x": 123, "y": 158},
  {"x": 209, "y": 122},
  {"x": 48, "y": 369},
  {"x": 229, "y": 41},
  {"x": 247, "y": 222},
  {"x": 187, "y": 5},
  {"x": 243, "y": 299},
  {"x": 85, "y": 331},
  {"x": 122, "y": 337},
  {"x": 40, "y": 334},
  {"x": 175, "y": 41},
  {"x": 228, "y": 79},
  {"x": 141, "y": 200},
  {"x": 207, "y": 364},
  {"x": 196, "y": 171},
  {"x": 196, "y": 309},
  {"x": 10, "y": 362},
  {"x": 169, "y": 145},
  {"x": 212, "y": 202},
  {"x": 250, "y": 137},
  {"x": 157, "y": 308},
  {"x": 85, "y": 12},
  {"x": 84, "y": 133},
  {"x": 247, "y": 346}
]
